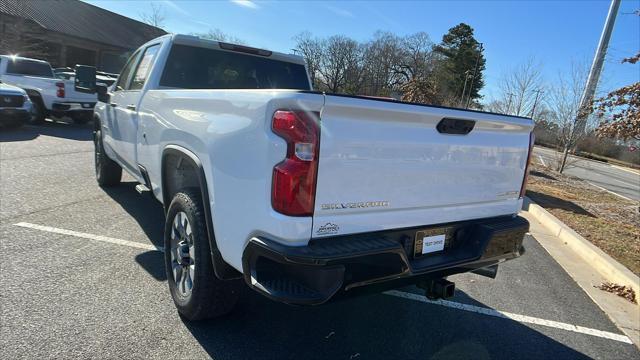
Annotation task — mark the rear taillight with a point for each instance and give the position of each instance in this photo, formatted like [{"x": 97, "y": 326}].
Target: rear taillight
[
  {"x": 293, "y": 188},
  {"x": 60, "y": 91},
  {"x": 523, "y": 188}
]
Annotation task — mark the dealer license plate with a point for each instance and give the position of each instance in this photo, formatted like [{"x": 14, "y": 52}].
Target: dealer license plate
[{"x": 431, "y": 241}]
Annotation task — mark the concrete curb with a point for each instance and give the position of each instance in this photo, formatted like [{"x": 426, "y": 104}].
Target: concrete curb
[{"x": 604, "y": 264}]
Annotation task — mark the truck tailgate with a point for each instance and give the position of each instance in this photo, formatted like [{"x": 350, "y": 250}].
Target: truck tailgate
[{"x": 385, "y": 165}]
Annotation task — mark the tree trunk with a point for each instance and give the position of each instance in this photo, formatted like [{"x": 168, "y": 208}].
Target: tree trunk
[{"x": 564, "y": 158}]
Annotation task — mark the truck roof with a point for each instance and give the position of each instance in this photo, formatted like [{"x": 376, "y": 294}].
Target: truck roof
[
  {"x": 16, "y": 57},
  {"x": 226, "y": 46}
]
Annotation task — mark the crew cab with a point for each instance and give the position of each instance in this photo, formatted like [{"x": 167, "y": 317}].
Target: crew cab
[
  {"x": 49, "y": 95},
  {"x": 303, "y": 195},
  {"x": 15, "y": 106}
]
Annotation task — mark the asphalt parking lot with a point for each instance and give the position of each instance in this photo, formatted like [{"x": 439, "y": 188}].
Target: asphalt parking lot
[{"x": 81, "y": 277}]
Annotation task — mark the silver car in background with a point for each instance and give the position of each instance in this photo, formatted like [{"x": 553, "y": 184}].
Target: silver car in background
[{"x": 15, "y": 106}]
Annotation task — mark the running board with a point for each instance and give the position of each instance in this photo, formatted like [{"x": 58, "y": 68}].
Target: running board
[{"x": 141, "y": 189}]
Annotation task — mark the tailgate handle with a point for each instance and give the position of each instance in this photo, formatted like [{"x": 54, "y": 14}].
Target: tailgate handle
[{"x": 455, "y": 126}]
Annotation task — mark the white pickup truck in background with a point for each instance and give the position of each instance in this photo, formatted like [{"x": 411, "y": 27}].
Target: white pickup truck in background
[
  {"x": 307, "y": 196},
  {"x": 50, "y": 95}
]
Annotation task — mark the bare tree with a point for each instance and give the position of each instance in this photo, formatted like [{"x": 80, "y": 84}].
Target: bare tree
[
  {"x": 416, "y": 70},
  {"x": 520, "y": 89},
  {"x": 311, "y": 49},
  {"x": 340, "y": 58},
  {"x": 380, "y": 56},
  {"x": 381, "y": 67},
  {"x": 155, "y": 16},
  {"x": 219, "y": 35},
  {"x": 563, "y": 102},
  {"x": 416, "y": 55}
]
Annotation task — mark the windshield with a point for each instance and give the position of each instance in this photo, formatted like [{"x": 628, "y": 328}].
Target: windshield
[
  {"x": 28, "y": 67},
  {"x": 192, "y": 67}
]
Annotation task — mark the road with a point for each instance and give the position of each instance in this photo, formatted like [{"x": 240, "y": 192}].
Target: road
[
  {"x": 618, "y": 180},
  {"x": 82, "y": 278}
]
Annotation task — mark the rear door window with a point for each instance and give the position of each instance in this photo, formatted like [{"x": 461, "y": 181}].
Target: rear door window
[
  {"x": 190, "y": 67},
  {"x": 125, "y": 75},
  {"x": 142, "y": 71},
  {"x": 29, "y": 68}
]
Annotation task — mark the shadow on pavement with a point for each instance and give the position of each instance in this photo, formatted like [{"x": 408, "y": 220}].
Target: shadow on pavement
[
  {"x": 375, "y": 327},
  {"x": 49, "y": 128},
  {"x": 153, "y": 263},
  {"x": 548, "y": 201},
  {"x": 144, "y": 209},
  {"x": 541, "y": 174},
  {"x": 149, "y": 214}
]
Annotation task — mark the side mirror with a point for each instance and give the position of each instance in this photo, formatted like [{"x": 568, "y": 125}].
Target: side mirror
[
  {"x": 85, "y": 80},
  {"x": 103, "y": 93}
]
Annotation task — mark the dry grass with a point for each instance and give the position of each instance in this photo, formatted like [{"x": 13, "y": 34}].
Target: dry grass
[{"x": 609, "y": 222}]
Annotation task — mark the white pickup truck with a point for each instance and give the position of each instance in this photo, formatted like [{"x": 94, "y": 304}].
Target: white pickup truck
[
  {"x": 306, "y": 196},
  {"x": 49, "y": 94}
]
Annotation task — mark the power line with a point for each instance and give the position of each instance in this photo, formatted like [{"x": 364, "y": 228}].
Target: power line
[
  {"x": 535, "y": 102},
  {"x": 475, "y": 72}
]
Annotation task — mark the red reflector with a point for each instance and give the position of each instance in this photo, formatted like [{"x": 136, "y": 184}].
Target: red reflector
[
  {"x": 60, "y": 91},
  {"x": 294, "y": 179},
  {"x": 293, "y": 190}
]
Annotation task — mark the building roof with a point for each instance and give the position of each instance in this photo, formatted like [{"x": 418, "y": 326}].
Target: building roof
[{"x": 79, "y": 19}]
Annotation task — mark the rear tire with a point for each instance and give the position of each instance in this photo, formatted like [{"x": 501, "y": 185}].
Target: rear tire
[
  {"x": 38, "y": 112},
  {"x": 108, "y": 172},
  {"x": 196, "y": 291}
]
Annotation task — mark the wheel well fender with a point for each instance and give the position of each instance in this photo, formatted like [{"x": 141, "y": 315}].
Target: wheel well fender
[
  {"x": 35, "y": 96},
  {"x": 180, "y": 169},
  {"x": 96, "y": 122}
]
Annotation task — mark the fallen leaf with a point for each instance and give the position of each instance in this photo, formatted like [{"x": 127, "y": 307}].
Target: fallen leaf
[{"x": 620, "y": 290}]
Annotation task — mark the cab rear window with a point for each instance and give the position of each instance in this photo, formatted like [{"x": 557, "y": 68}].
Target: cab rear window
[
  {"x": 30, "y": 68},
  {"x": 190, "y": 67}
]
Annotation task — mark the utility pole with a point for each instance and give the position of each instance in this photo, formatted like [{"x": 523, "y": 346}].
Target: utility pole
[
  {"x": 475, "y": 72},
  {"x": 509, "y": 103},
  {"x": 535, "y": 102},
  {"x": 464, "y": 88},
  {"x": 592, "y": 81}
]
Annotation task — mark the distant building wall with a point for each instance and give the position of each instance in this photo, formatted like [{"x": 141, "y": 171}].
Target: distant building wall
[{"x": 26, "y": 38}]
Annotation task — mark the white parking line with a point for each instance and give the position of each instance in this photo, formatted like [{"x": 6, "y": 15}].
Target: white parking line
[
  {"x": 401, "y": 294},
  {"x": 626, "y": 169},
  {"x": 89, "y": 236},
  {"x": 609, "y": 191},
  {"x": 542, "y": 161},
  {"x": 515, "y": 317}
]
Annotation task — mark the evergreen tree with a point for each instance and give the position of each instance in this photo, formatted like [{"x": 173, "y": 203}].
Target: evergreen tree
[{"x": 460, "y": 51}]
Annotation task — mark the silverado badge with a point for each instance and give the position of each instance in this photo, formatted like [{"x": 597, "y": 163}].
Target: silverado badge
[{"x": 354, "y": 205}]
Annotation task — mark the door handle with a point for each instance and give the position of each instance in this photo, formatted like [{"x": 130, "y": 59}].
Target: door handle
[
  {"x": 131, "y": 107},
  {"x": 113, "y": 104}
]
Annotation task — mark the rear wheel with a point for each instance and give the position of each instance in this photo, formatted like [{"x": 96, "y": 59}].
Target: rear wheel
[
  {"x": 196, "y": 291},
  {"x": 108, "y": 172},
  {"x": 38, "y": 112}
]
